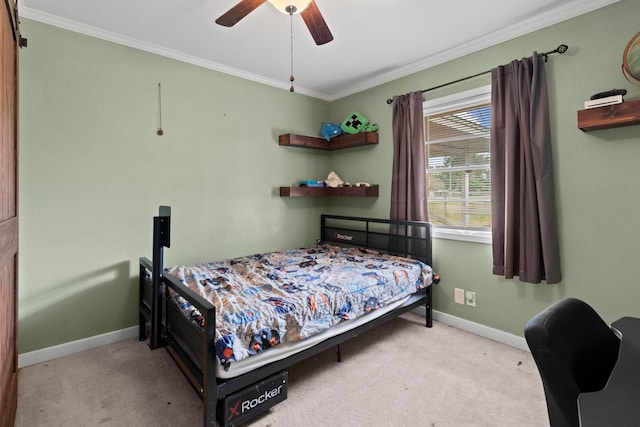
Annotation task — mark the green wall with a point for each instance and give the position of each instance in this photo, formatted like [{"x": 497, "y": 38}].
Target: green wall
[
  {"x": 93, "y": 172},
  {"x": 597, "y": 174}
]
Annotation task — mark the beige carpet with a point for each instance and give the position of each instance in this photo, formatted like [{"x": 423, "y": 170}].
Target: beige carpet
[{"x": 400, "y": 374}]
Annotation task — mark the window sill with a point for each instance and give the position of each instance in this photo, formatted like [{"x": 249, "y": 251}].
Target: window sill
[{"x": 474, "y": 236}]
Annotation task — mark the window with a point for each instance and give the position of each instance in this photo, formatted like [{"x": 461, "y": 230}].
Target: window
[{"x": 457, "y": 137}]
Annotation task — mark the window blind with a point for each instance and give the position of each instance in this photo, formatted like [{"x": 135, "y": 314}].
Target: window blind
[{"x": 458, "y": 167}]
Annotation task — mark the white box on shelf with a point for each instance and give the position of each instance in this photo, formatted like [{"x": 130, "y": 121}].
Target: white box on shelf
[{"x": 601, "y": 102}]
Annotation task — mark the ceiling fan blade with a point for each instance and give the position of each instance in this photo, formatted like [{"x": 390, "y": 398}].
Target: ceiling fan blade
[
  {"x": 237, "y": 12},
  {"x": 316, "y": 24}
]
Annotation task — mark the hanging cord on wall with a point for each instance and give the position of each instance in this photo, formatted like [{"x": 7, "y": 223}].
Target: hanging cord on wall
[
  {"x": 160, "y": 132},
  {"x": 560, "y": 49},
  {"x": 291, "y": 10}
]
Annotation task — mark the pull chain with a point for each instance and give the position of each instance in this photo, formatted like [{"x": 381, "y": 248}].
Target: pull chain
[
  {"x": 160, "y": 131},
  {"x": 291, "y": 10}
]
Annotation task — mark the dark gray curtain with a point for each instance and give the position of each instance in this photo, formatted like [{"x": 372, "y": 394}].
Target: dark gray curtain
[
  {"x": 408, "y": 181},
  {"x": 523, "y": 213}
]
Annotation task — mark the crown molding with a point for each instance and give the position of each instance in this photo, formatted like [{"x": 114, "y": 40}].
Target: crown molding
[
  {"x": 55, "y": 21},
  {"x": 568, "y": 11}
]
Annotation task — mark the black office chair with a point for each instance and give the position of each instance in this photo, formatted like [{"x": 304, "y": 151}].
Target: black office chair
[{"x": 575, "y": 351}]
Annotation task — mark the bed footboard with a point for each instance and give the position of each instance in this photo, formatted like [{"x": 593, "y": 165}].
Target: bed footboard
[{"x": 150, "y": 285}]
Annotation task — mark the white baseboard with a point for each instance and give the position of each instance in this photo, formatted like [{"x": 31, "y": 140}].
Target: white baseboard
[
  {"x": 50, "y": 353},
  {"x": 66, "y": 349},
  {"x": 477, "y": 329}
]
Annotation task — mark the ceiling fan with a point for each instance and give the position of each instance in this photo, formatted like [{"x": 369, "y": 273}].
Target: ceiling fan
[{"x": 307, "y": 8}]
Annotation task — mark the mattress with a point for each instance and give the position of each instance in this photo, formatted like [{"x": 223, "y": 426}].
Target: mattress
[{"x": 271, "y": 305}]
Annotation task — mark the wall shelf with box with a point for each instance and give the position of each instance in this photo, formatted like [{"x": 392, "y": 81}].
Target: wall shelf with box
[
  {"x": 328, "y": 191},
  {"x": 610, "y": 116},
  {"x": 336, "y": 143}
]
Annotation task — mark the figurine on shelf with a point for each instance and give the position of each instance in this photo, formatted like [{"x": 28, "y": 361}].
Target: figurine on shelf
[{"x": 334, "y": 181}]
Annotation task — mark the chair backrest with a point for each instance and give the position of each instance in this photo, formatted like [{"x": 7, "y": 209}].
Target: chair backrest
[{"x": 575, "y": 351}]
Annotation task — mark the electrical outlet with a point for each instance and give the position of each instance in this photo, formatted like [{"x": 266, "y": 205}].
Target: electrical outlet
[
  {"x": 471, "y": 298},
  {"x": 458, "y": 295}
]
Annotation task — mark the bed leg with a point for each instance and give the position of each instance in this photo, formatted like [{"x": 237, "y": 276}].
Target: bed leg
[
  {"x": 142, "y": 320},
  {"x": 142, "y": 328},
  {"x": 209, "y": 383},
  {"x": 429, "y": 308},
  {"x": 210, "y": 415},
  {"x": 339, "y": 354}
]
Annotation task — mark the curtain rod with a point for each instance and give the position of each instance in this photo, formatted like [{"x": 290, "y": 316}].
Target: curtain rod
[{"x": 560, "y": 49}]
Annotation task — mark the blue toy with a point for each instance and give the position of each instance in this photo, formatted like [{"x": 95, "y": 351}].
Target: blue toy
[{"x": 328, "y": 131}]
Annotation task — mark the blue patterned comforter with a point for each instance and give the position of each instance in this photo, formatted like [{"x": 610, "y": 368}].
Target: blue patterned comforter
[{"x": 265, "y": 299}]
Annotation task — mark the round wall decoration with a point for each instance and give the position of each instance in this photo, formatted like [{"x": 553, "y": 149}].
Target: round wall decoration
[{"x": 631, "y": 60}]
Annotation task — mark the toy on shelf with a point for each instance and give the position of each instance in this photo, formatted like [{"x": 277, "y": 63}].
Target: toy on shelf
[
  {"x": 333, "y": 180},
  {"x": 332, "y": 186},
  {"x": 356, "y": 123},
  {"x": 328, "y": 131},
  {"x": 312, "y": 183}
]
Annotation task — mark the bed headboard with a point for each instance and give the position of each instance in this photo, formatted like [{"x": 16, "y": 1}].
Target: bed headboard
[{"x": 410, "y": 239}]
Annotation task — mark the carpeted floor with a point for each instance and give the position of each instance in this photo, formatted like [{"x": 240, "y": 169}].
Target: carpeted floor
[{"x": 400, "y": 374}]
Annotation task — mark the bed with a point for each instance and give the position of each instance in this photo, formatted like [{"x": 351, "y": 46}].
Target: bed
[{"x": 234, "y": 326}]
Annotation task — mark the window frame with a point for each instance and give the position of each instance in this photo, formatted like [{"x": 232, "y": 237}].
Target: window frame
[{"x": 455, "y": 101}]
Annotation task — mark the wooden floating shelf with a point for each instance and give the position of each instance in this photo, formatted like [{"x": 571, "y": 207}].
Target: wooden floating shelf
[
  {"x": 609, "y": 116},
  {"x": 336, "y": 143},
  {"x": 328, "y": 191}
]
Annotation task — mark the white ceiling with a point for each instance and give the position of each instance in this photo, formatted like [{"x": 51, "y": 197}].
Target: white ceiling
[{"x": 375, "y": 41}]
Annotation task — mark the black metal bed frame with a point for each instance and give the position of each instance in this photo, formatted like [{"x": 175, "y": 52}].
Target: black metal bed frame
[{"x": 193, "y": 349}]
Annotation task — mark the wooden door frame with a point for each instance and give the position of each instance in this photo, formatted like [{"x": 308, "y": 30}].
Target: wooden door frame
[{"x": 9, "y": 230}]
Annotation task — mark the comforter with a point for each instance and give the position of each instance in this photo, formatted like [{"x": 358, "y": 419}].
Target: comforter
[{"x": 266, "y": 299}]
